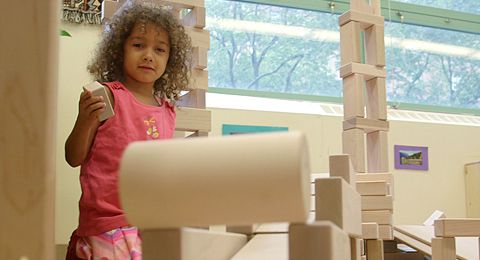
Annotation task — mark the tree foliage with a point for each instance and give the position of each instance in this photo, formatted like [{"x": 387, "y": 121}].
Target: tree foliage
[{"x": 298, "y": 59}]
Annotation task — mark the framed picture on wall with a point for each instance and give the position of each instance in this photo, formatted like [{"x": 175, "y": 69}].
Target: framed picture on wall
[
  {"x": 248, "y": 129},
  {"x": 411, "y": 157}
]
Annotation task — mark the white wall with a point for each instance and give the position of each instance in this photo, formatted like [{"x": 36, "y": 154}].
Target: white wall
[{"x": 418, "y": 193}]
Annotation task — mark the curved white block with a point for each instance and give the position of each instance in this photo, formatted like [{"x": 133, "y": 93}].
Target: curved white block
[{"x": 233, "y": 180}]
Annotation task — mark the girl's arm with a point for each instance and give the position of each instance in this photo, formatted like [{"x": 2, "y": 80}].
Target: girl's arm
[{"x": 80, "y": 139}]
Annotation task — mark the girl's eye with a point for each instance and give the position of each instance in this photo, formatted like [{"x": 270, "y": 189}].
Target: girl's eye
[
  {"x": 160, "y": 50},
  {"x": 137, "y": 45}
]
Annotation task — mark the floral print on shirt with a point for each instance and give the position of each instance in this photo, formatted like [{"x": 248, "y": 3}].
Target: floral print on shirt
[{"x": 152, "y": 131}]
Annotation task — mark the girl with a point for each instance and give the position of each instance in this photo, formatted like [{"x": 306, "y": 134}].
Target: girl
[{"x": 143, "y": 60}]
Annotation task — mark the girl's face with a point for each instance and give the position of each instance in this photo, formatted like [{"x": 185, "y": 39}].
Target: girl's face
[{"x": 146, "y": 53}]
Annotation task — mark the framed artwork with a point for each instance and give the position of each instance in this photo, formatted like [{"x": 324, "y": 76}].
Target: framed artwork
[
  {"x": 411, "y": 157},
  {"x": 248, "y": 129}
]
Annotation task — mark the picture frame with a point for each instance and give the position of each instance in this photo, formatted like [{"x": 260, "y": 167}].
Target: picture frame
[
  {"x": 411, "y": 157},
  {"x": 228, "y": 129}
]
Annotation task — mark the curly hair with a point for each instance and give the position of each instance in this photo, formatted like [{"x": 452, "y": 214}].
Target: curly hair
[{"x": 107, "y": 63}]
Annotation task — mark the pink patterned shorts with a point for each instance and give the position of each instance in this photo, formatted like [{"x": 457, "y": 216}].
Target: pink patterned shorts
[{"x": 118, "y": 244}]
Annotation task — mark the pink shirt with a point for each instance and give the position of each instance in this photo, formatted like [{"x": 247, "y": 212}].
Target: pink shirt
[{"x": 100, "y": 209}]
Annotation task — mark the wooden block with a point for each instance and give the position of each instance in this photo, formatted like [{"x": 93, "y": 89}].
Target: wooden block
[
  {"x": 199, "y": 79},
  {"x": 377, "y": 203},
  {"x": 194, "y": 98},
  {"x": 191, "y": 119},
  {"x": 109, "y": 7},
  {"x": 374, "y": 249},
  {"x": 364, "y": 257},
  {"x": 457, "y": 227},
  {"x": 365, "y": 20},
  {"x": 387, "y": 177},
  {"x": 195, "y": 18},
  {"x": 190, "y": 244},
  {"x": 361, "y": 6},
  {"x": 353, "y": 143},
  {"x": 341, "y": 166},
  {"x": 376, "y": 6},
  {"x": 370, "y": 230},
  {"x": 375, "y": 45},
  {"x": 381, "y": 217},
  {"x": 385, "y": 232},
  {"x": 443, "y": 248},
  {"x": 318, "y": 240},
  {"x": 377, "y": 151},
  {"x": 376, "y": 99},
  {"x": 350, "y": 43},
  {"x": 356, "y": 245},
  {"x": 29, "y": 89},
  {"x": 367, "y": 125},
  {"x": 312, "y": 203},
  {"x": 247, "y": 230},
  {"x": 200, "y": 57},
  {"x": 338, "y": 202},
  {"x": 353, "y": 97},
  {"x": 199, "y": 37},
  {"x": 378, "y": 188},
  {"x": 98, "y": 89},
  {"x": 368, "y": 71},
  {"x": 264, "y": 246}
]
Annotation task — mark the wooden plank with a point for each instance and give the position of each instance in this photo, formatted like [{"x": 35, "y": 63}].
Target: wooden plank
[
  {"x": 350, "y": 43},
  {"x": 194, "y": 98},
  {"x": 375, "y": 45},
  {"x": 379, "y": 176},
  {"x": 353, "y": 143},
  {"x": 376, "y": 99},
  {"x": 191, "y": 119},
  {"x": 195, "y": 18},
  {"x": 457, "y": 227},
  {"x": 374, "y": 249},
  {"x": 385, "y": 232},
  {"x": 466, "y": 247},
  {"x": 318, "y": 240},
  {"x": 28, "y": 98},
  {"x": 109, "y": 7},
  {"x": 341, "y": 166},
  {"x": 199, "y": 80},
  {"x": 261, "y": 247},
  {"x": 377, "y": 151},
  {"x": 382, "y": 217},
  {"x": 190, "y": 244},
  {"x": 361, "y": 6},
  {"x": 338, "y": 202},
  {"x": 377, "y": 203},
  {"x": 368, "y": 71},
  {"x": 199, "y": 37},
  {"x": 247, "y": 229},
  {"x": 378, "y": 188},
  {"x": 443, "y": 248},
  {"x": 367, "y": 125},
  {"x": 356, "y": 246},
  {"x": 353, "y": 97},
  {"x": 370, "y": 230},
  {"x": 200, "y": 57},
  {"x": 365, "y": 20}
]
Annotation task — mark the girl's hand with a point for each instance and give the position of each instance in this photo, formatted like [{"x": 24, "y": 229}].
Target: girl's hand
[{"x": 89, "y": 108}]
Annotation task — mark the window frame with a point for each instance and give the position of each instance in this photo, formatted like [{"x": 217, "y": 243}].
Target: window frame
[{"x": 393, "y": 11}]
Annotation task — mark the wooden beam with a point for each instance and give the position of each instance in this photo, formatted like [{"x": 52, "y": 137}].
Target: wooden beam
[
  {"x": 457, "y": 227},
  {"x": 368, "y": 71},
  {"x": 353, "y": 143},
  {"x": 28, "y": 98},
  {"x": 341, "y": 166},
  {"x": 367, "y": 125},
  {"x": 191, "y": 119}
]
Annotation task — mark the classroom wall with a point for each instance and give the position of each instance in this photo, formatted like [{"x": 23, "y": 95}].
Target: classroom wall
[{"x": 417, "y": 193}]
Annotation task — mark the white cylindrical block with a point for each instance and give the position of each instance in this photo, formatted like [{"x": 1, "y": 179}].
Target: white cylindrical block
[{"x": 233, "y": 180}]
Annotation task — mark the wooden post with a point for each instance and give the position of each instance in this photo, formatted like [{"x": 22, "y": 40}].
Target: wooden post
[{"x": 28, "y": 92}]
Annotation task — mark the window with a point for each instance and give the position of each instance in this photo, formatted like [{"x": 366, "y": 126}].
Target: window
[{"x": 294, "y": 53}]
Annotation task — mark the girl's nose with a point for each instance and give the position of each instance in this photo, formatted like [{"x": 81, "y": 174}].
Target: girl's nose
[{"x": 148, "y": 56}]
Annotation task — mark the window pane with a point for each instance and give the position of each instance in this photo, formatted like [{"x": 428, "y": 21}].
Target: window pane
[
  {"x": 432, "y": 66},
  {"x": 268, "y": 48},
  {"x": 471, "y": 6},
  {"x": 284, "y": 50}
]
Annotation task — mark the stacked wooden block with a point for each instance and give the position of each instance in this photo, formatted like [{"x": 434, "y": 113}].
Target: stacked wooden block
[
  {"x": 365, "y": 123},
  {"x": 191, "y": 116},
  {"x": 337, "y": 230},
  {"x": 443, "y": 245}
]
